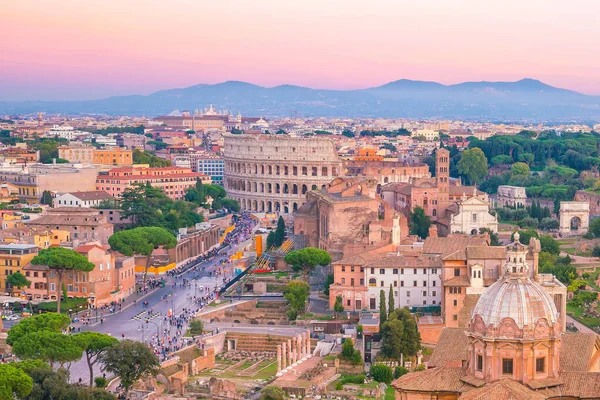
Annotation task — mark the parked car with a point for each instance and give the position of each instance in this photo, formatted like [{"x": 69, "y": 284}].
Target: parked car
[{"x": 12, "y": 317}]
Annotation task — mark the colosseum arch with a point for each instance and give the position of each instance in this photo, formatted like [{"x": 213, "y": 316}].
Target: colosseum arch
[
  {"x": 294, "y": 189},
  {"x": 304, "y": 189},
  {"x": 277, "y": 188},
  {"x": 574, "y": 217},
  {"x": 286, "y": 188}
]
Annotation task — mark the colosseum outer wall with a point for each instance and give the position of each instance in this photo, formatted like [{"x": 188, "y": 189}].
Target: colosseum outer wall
[{"x": 272, "y": 173}]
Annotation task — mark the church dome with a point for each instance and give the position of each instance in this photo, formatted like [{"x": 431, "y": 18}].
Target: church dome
[
  {"x": 515, "y": 302},
  {"x": 517, "y": 297}
]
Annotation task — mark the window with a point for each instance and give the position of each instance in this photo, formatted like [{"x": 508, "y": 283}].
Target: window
[
  {"x": 372, "y": 304},
  {"x": 479, "y": 362},
  {"x": 395, "y": 283},
  {"x": 401, "y": 271},
  {"x": 540, "y": 364},
  {"x": 415, "y": 283},
  {"x": 381, "y": 271},
  {"x": 343, "y": 269},
  {"x": 362, "y": 281},
  {"x": 433, "y": 283},
  {"x": 434, "y": 293},
  {"x": 372, "y": 270},
  {"x": 362, "y": 270},
  {"x": 402, "y": 283},
  {"x": 395, "y": 271},
  {"x": 455, "y": 317},
  {"x": 348, "y": 302},
  {"x": 434, "y": 270},
  {"x": 408, "y": 293},
  {"x": 455, "y": 303},
  {"x": 415, "y": 271},
  {"x": 424, "y": 292},
  {"x": 474, "y": 217},
  {"x": 372, "y": 282},
  {"x": 351, "y": 281},
  {"x": 424, "y": 283},
  {"x": 507, "y": 366},
  {"x": 382, "y": 284},
  {"x": 456, "y": 271},
  {"x": 351, "y": 269}
]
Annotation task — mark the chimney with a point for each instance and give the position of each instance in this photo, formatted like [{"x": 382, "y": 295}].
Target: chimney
[{"x": 433, "y": 231}]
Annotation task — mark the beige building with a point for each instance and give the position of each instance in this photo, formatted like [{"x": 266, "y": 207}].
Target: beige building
[
  {"x": 512, "y": 196},
  {"x": 31, "y": 181},
  {"x": 473, "y": 214},
  {"x": 83, "y": 224},
  {"x": 273, "y": 173}
]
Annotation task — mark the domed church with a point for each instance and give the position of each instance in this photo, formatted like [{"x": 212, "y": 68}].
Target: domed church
[{"x": 514, "y": 348}]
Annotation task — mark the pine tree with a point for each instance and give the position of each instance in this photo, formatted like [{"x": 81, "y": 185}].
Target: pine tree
[
  {"x": 382, "y": 310},
  {"x": 391, "y": 306},
  {"x": 279, "y": 232}
]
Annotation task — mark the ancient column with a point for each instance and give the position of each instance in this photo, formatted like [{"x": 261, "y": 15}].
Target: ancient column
[
  {"x": 290, "y": 358},
  {"x": 299, "y": 346},
  {"x": 278, "y": 358},
  {"x": 307, "y": 343},
  {"x": 283, "y": 355}
]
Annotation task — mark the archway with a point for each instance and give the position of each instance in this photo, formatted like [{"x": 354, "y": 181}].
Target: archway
[
  {"x": 575, "y": 223},
  {"x": 574, "y": 217}
]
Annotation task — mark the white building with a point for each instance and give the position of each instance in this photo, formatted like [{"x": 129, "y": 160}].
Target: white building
[
  {"x": 81, "y": 199},
  {"x": 473, "y": 214},
  {"x": 416, "y": 281},
  {"x": 213, "y": 167},
  {"x": 429, "y": 134},
  {"x": 64, "y": 132},
  {"x": 512, "y": 196}
]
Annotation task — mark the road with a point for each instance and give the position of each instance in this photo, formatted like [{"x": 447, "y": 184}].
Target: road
[{"x": 130, "y": 323}]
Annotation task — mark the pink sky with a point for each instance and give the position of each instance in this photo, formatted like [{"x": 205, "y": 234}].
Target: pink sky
[{"x": 76, "y": 49}]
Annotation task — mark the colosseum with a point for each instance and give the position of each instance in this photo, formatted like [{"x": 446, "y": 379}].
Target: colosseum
[{"x": 272, "y": 173}]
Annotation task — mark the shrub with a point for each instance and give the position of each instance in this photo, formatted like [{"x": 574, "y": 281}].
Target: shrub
[
  {"x": 196, "y": 327},
  {"x": 596, "y": 252},
  {"x": 272, "y": 393},
  {"x": 529, "y": 222},
  {"x": 355, "y": 379},
  {"x": 100, "y": 382},
  {"x": 292, "y": 314},
  {"x": 420, "y": 367},
  {"x": 382, "y": 373},
  {"x": 399, "y": 371},
  {"x": 356, "y": 358},
  {"x": 339, "y": 386}
]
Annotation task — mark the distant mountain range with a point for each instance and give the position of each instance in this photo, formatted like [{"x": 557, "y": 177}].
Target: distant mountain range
[{"x": 524, "y": 100}]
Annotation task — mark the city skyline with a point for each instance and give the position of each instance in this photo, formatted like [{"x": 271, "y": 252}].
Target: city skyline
[{"x": 76, "y": 51}]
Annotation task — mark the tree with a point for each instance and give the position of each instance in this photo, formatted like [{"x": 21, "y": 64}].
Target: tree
[
  {"x": 381, "y": 373},
  {"x": 307, "y": 258},
  {"x": 382, "y": 309},
  {"x": 550, "y": 245},
  {"x": 519, "y": 168},
  {"x": 494, "y": 239},
  {"x": 473, "y": 165},
  {"x": 51, "y": 322},
  {"x": 595, "y": 227},
  {"x": 419, "y": 222},
  {"x": 142, "y": 241},
  {"x": 144, "y": 205},
  {"x": 130, "y": 361},
  {"x": 400, "y": 335},
  {"x": 46, "y": 198},
  {"x": 94, "y": 344},
  {"x": 391, "y": 306},
  {"x": 14, "y": 383},
  {"x": 525, "y": 236},
  {"x": 59, "y": 260},
  {"x": 338, "y": 306},
  {"x": 272, "y": 393},
  {"x": 48, "y": 346},
  {"x": 549, "y": 224},
  {"x": 196, "y": 326},
  {"x": 328, "y": 282},
  {"x": 271, "y": 240},
  {"x": 347, "y": 349},
  {"x": 296, "y": 293},
  {"x": 279, "y": 232},
  {"x": 145, "y": 157},
  {"x": 18, "y": 280}
]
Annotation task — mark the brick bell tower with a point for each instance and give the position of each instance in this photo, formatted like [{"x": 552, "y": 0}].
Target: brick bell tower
[{"x": 442, "y": 174}]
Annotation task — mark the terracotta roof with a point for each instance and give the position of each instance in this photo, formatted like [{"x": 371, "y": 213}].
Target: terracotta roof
[
  {"x": 460, "y": 255},
  {"x": 401, "y": 261},
  {"x": 462, "y": 280},
  {"x": 576, "y": 351},
  {"x": 451, "y": 348},
  {"x": 91, "y": 195},
  {"x": 487, "y": 252},
  {"x": 578, "y": 385},
  {"x": 544, "y": 383},
  {"x": 451, "y": 244},
  {"x": 433, "y": 380},
  {"x": 87, "y": 247},
  {"x": 464, "y": 315},
  {"x": 506, "y": 389},
  {"x": 360, "y": 259}
]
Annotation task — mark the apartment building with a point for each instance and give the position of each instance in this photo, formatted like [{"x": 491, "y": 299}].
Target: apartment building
[
  {"x": 13, "y": 257},
  {"x": 172, "y": 180},
  {"x": 82, "y": 224},
  {"x": 93, "y": 155}
]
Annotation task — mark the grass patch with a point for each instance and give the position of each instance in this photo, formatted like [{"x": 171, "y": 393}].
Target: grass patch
[
  {"x": 390, "y": 393},
  {"x": 577, "y": 314},
  {"x": 214, "y": 304},
  {"x": 267, "y": 372},
  {"x": 65, "y": 305}
]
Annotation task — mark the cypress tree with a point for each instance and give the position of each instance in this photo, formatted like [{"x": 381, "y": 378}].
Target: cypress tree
[
  {"x": 382, "y": 310},
  {"x": 391, "y": 306}
]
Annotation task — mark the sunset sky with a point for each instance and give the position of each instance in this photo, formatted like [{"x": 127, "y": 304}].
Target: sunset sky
[{"x": 87, "y": 49}]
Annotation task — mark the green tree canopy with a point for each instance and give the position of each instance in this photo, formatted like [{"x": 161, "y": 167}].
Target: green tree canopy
[
  {"x": 296, "y": 293},
  {"x": 519, "y": 168},
  {"x": 93, "y": 344},
  {"x": 14, "y": 383},
  {"x": 272, "y": 393},
  {"x": 279, "y": 236},
  {"x": 142, "y": 241},
  {"x": 145, "y": 157},
  {"x": 525, "y": 236},
  {"x": 18, "y": 280},
  {"x": 550, "y": 245},
  {"x": 338, "y": 306},
  {"x": 307, "y": 258},
  {"x": 51, "y": 322},
  {"x": 419, "y": 222},
  {"x": 473, "y": 165},
  {"x": 48, "y": 346},
  {"x": 400, "y": 335},
  {"x": 382, "y": 373},
  {"x": 46, "y": 198},
  {"x": 61, "y": 259},
  {"x": 130, "y": 361},
  {"x": 382, "y": 309}
]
